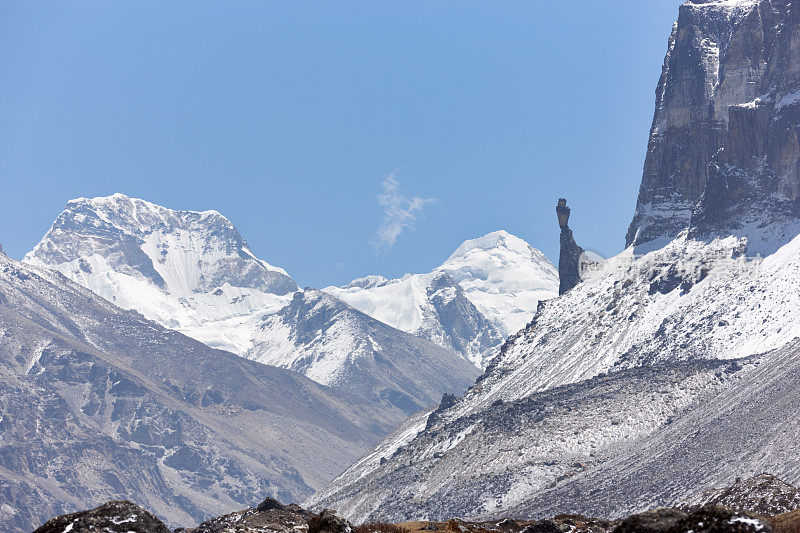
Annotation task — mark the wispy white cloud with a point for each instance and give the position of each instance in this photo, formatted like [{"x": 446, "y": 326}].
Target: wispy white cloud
[{"x": 399, "y": 213}]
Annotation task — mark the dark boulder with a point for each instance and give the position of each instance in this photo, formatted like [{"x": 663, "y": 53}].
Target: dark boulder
[
  {"x": 656, "y": 521},
  {"x": 328, "y": 521},
  {"x": 713, "y": 519},
  {"x": 709, "y": 519},
  {"x": 270, "y": 515},
  {"x": 111, "y": 517},
  {"x": 542, "y": 526},
  {"x": 269, "y": 504}
]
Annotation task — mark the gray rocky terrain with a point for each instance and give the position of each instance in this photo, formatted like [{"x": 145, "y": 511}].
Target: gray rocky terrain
[{"x": 98, "y": 403}]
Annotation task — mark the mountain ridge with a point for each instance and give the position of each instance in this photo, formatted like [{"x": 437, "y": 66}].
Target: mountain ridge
[{"x": 193, "y": 272}]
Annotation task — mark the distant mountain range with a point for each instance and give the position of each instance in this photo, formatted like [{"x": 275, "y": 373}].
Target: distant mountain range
[
  {"x": 487, "y": 290},
  {"x": 193, "y": 272}
]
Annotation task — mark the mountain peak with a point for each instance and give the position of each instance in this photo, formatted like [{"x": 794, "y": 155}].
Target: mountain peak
[
  {"x": 490, "y": 241},
  {"x": 504, "y": 276},
  {"x": 721, "y": 3},
  {"x": 134, "y": 212},
  {"x": 138, "y": 236},
  {"x": 121, "y": 199},
  {"x": 183, "y": 269},
  {"x": 492, "y": 284}
]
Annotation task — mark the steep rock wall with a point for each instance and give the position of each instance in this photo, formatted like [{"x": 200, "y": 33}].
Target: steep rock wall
[{"x": 723, "y": 151}]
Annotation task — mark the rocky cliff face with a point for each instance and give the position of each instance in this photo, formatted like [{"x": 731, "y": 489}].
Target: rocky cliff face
[
  {"x": 568, "y": 261},
  {"x": 723, "y": 151},
  {"x": 463, "y": 326}
]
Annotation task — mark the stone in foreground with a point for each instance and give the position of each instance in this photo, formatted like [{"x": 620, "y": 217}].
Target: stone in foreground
[{"x": 112, "y": 517}]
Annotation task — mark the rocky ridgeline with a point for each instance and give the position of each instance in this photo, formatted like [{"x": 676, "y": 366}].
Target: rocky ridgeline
[{"x": 272, "y": 517}]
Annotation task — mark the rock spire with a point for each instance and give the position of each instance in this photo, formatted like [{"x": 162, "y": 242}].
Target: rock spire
[{"x": 569, "y": 258}]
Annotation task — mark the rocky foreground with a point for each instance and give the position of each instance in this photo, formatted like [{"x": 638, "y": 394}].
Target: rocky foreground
[{"x": 760, "y": 504}]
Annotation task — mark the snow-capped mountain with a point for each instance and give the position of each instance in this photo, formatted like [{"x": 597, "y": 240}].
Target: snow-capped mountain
[
  {"x": 336, "y": 345},
  {"x": 98, "y": 403},
  {"x": 190, "y": 271},
  {"x": 504, "y": 276},
  {"x": 666, "y": 372},
  {"x": 193, "y": 272},
  {"x": 487, "y": 289}
]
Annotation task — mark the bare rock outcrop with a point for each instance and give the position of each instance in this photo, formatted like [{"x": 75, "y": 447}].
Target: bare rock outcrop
[
  {"x": 570, "y": 252},
  {"x": 112, "y": 517}
]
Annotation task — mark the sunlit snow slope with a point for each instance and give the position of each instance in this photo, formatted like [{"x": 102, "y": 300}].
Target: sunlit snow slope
[
  {"x": 499, "y": 279},
  {"x": 190, "y": 271}
]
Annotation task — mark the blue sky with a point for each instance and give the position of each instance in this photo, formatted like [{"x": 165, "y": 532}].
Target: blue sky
[{"x": 306, "y": 122}]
